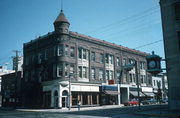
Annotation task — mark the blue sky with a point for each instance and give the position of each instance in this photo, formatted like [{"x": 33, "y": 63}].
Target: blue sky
[{"x": 130, "y": 23}]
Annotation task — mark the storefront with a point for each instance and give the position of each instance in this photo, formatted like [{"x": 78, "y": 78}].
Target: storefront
[
  {"x": 57, "y": 95},
  {"x": 108, "y": 95},
  {"x": 88, "y": 95},
  {"x": 133, "y": 92},
  {"x": 148, "y": 92}
]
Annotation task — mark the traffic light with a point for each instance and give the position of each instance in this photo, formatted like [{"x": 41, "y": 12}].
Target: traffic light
[{"x": 153, "y": 64}]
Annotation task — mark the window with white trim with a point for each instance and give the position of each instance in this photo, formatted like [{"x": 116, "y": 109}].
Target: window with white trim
[{"x": 93, "y": 76}]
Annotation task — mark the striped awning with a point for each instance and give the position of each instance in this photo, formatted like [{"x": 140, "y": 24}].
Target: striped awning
[
  {"x": 111, "y": 92},
  {"x": 150, "y": 94},
  {"x": 135, "y": 93}
]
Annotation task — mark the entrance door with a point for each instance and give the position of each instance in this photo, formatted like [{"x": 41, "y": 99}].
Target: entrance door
[{"x": 64, "y": 101}]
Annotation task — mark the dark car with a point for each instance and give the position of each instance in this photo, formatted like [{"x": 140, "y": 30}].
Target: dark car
[
  {"x": 150, "y": 101},
  {"x": 165, "y": 100},
  {"x": 131, "y": 102}
]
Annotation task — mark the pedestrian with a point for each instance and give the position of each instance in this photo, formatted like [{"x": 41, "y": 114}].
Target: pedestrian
[{"x": 79, "y": 105}]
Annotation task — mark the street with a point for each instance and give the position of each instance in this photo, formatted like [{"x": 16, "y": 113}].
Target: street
[{"x": 122, "y": 112}]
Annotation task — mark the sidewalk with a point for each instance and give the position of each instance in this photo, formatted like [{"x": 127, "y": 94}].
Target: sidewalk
[{"x": 71, "y": 110}]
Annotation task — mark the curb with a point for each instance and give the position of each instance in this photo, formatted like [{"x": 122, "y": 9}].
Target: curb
[{"x": 160, "y": 115}]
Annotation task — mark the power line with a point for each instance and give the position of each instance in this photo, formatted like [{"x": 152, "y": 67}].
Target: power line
[
  {"x": 148, "y": 44},
  {"x": 126, "y": 20}
]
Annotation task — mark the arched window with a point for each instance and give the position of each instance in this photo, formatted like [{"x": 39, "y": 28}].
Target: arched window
[{"x": 64, "y": 93}]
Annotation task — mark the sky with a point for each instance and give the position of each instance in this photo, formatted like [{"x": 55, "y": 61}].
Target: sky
[{"x": 131, "y": 23}]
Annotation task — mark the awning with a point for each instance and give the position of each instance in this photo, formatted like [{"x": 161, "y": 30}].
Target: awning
[
  {"x": 135, "y": 93},
  {"x": 150, "y": 94},
  {"x": 111, "y": 92}
]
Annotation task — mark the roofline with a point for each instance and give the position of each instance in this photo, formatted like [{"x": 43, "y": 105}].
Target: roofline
[
  {"x": 108, "y": 43},
  {"x": 90, "y": 38}
]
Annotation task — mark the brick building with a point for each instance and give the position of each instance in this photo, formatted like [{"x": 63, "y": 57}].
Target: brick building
[
  {"x": 65, "y": 63},
  {"x": 11, "y": 89}
]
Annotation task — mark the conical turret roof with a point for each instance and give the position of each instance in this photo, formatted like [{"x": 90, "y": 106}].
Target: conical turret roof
[{"x": 61, "y": 18}]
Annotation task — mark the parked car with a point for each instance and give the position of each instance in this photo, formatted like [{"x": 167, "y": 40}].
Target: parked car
[
  {"x": 165, "y": 100},
  {"x": 131, "y": 102},
  {"x": 149, "y": 101}
]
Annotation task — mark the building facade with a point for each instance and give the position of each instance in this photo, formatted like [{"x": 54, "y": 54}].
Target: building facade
[
  {"x": 3, "y": 71},
  {"x": 170, "y": 14},
  {"x": 11, "y": 89},
  {"x": 65, "y": 66}
]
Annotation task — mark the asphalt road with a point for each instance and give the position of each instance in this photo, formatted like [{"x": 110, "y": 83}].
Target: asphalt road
[{"x": 122, "y": 112}]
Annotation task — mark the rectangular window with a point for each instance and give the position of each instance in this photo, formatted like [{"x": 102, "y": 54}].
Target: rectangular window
[
  {"x": 59, "y": 70},
  {"x": 80, "y": 71},
  {"x": 93, "y": 56},
  {"x": 142, "y": 64},
  {"x": 66, "y": 50},
  {"x": 93, "y": 74},
  {"x": 142, "y": 79},
  {"x": 80, "y": 53},
  {"x": 101, "y": 58},
  {"x": 60, "y": 50},
  {"x": 131, "y": 61},
  {"x": 66, "y": 70},
  {"x": 85, "y": 52},
  {"x": 39, "y": 58},
  {"x": 84, "y": 72},
  {"x": 177, "y": 11},
  {"x": 101, "y": 74},
  {"x": 130, "y": 78},
  {"x": 110, "y": 75},
  {"x": 111, "y": 59},
  {"x": 118, "y": 61},
  {"x": 118, "y": 75},
  {"x": 71, "y": 69},
  {"x": 124, "y": 77},
  {"x": 107, "y": 75},
  {"x": 124, "y": 62},
  {"x": 72, "y": 51},
  {"x": 107, "y": 58}
]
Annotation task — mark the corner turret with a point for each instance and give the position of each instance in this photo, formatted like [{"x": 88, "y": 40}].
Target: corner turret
[{"x": 61, "y": 24}]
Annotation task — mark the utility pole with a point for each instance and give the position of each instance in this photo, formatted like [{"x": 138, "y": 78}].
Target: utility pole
[
  {"x": 16, "y": 76},
  {"x": 137, "y": 83}
]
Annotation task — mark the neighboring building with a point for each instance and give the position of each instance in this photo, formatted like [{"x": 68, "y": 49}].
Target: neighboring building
[
  {"x": 19, "y": 63},
  {"x": 11, "y": 89},
  {"x": 170, "y": 13},
  {"x": 155, "y": 81},
  {"x": 50, "y": 60},
  {"x": 3, "y": 71}
]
